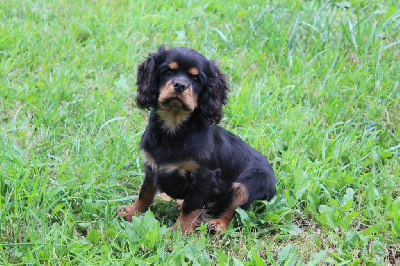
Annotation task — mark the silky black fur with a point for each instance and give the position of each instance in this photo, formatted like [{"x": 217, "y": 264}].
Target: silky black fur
[{"x": 223, "y": 158}]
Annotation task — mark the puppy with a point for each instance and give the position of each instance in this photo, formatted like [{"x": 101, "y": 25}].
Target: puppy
[{"x": 187, "y": 155}]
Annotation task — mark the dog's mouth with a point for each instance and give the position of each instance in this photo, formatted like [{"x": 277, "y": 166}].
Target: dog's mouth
[{"x": 173, "y": 103}]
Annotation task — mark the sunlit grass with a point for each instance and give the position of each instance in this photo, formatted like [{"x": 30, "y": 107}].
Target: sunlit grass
[{"x": 314, "y": 87}]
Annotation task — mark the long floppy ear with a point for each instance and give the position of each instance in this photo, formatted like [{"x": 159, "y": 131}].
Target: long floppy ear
[
  {"x": 147, "y": 93},
  {"x": 215, "y": 95}
]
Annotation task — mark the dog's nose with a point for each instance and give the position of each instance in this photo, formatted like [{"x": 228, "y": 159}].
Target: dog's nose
[{"x": 180, "y": 86}]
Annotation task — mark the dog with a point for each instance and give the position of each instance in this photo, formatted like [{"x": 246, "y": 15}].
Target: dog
[{"x": 187, "y": 155}]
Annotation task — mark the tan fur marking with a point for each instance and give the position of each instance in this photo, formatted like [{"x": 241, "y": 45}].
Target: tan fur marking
[
  {"x": 190, "y": 166},
  {"x": 166, "y": 92},
  {"x": 240, "y": 194},
  {"x": 194, "y": 71},
  {"x": 182, "y": 168},
  {"x": 221, "y": 224},
  {"x": 173, "y": 65},
  {"x": 164, "y": 196},
  {"x": 168, "y": 168},
  {"x": 149, "y": 160},
  {"x": 172, "y": 119},
  {"x": 190, "y": 221}
]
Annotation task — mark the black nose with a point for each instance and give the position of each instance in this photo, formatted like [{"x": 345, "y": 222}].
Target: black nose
[{"x": 180, "y": 86}]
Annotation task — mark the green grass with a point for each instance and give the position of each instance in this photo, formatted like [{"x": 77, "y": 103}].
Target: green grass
[{"x": 315, "y": 88}]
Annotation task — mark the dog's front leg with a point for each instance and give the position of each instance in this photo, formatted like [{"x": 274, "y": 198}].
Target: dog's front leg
[{"x": 146, "y": 197}]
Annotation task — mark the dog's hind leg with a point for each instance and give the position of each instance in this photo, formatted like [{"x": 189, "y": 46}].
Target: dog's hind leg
[
  {"x": 260, "y": 184},
  {"x": 252, "y": 184},
  {"x": 240, "y": 195}
]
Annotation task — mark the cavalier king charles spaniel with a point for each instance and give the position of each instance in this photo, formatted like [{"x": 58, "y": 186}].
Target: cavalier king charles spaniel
[{"x": 187, "y": 155}]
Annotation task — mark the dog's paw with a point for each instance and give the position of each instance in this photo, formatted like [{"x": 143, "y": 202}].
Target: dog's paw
[
  {"x": 126, "y": 212},
  {"x": 185, "y": 228},
  {"x": 216, "y": 226},
  {"x": 174, "y": 227}
]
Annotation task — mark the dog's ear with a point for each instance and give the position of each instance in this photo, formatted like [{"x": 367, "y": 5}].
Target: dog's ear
[
  {"x": 147, "y": 93},
  {"x": 214, "y": 96}
]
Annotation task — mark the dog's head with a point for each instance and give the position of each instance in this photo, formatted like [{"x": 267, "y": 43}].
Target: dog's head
[{"x": 180, "y": 80}]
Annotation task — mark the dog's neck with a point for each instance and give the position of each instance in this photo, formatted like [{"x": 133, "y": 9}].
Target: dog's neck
[{"x": 172, "y": 120}]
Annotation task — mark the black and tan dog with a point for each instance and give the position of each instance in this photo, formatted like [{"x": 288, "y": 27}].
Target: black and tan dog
[{"x": 187, "y": 155}]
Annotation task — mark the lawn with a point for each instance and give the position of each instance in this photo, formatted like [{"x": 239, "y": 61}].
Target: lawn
[{"x": 314, "y": 87}]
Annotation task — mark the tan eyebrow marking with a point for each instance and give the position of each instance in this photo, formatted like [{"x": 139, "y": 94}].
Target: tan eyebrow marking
[
  {"x": 173, "y": 65},
  {"x": 194, "y": 71}
]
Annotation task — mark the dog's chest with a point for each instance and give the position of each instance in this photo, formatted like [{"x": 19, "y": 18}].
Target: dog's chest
[
  {"x": 181, "y": 167},
  {"x": 173, "y": 178}
]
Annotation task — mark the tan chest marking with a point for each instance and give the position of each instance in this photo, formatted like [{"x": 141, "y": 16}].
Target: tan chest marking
[
  {"x": 182, "y": 168},
  {"x": 173, "y": 119}
]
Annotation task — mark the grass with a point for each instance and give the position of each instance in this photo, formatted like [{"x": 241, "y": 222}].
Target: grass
[{"x": 315, "y": 88}]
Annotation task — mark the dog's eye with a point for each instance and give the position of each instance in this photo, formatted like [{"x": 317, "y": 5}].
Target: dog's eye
[
  {"x": 196, "y": 79},
  {"x": 168, "y": 72}
]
